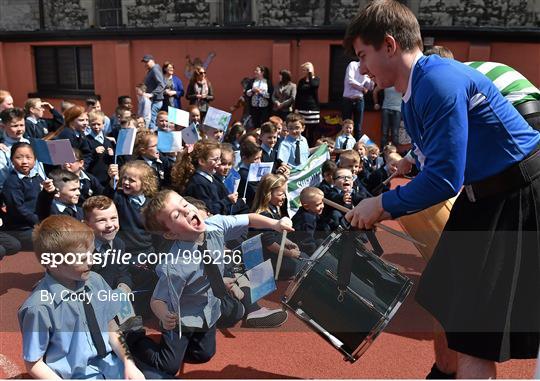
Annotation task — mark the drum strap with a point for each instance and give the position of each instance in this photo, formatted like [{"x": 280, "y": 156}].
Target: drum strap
[{"x": 344, "y": 269}]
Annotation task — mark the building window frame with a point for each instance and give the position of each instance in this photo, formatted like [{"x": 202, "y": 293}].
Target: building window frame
[
  {"x": 51, "y": 72},
  {"x": 102, "y": 8}
]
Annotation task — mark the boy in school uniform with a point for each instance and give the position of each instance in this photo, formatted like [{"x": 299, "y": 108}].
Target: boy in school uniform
[
  {"x": 183, "y": 299},
  {"x": 12, "y": 123},
  {"x": 294, "y": 149},
  {"x": 65, "y": 197},
  {"x": 250, "y": 153},
  {"x": 269, "y": 138},
  {"x": 68, "y": 329},
  {"x": 36, "y": 127},
  {"x": 89, "y": 184},
  {"x": 230, "y": 202},
  {"x": 375, "y": 180},
  {"x": 328, "y": 170},
  {"x": 102, "y": 148},
  {"x": 351, "y": 160},
  {"x": 345, "y": 140},
  {"x": 101, "y": 215},
  {"x": 306, "y": 218}
]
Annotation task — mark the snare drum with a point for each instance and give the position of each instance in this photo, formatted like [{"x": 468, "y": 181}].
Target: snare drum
[
  {"x": 352, "y": 319},
  {"x": 427, "y": 225}
]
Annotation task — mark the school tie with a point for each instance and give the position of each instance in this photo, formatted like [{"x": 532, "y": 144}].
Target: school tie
[
  {"x": 105, "y": 247},
  {"x": 344, "y": 146},
  {"x": 297, "y": 153},
  {"x": 93, "y": 326}
]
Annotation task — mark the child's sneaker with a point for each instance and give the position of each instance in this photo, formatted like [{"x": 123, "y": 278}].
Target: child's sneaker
[{"x": 266, "y": 318}]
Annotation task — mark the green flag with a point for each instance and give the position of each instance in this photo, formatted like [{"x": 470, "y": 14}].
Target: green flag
[{"x": 307, "y": 175}]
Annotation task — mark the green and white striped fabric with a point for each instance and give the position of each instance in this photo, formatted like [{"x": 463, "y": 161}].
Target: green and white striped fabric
[{"x": 512, "y": 84}]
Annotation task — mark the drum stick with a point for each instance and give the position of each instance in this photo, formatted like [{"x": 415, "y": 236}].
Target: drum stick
[
  {"x": 280, "y": 255},
  {"x": 385, "y": 182},
  {"x": 388, "y": 229}
]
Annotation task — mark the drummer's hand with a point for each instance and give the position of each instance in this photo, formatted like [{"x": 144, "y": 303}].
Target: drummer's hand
[
  {"x": 403, "y": 166},
  {"x": 365, "y": 214}
]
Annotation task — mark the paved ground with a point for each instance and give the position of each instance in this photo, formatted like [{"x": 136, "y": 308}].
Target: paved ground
[{"x": 404, "y": 350}]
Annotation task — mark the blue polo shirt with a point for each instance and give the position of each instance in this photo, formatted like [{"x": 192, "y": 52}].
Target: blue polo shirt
[
  {"x": 463, "y": 127},
  {"x": 57, "y": 331},
  {"x": 184, "y": 286}
]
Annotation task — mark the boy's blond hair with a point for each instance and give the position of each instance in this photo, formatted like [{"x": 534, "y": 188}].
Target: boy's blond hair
[
  {"x": 309, "y": 193},
  {"x": 347, "y": 121},
  {"x": 61, "y": 234},
  {"x": 349, "y": 155},
  {"x": 95, "y": 114}
]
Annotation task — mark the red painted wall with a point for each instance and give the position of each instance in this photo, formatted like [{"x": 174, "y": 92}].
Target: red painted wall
[{"x": 117, "y": 66}]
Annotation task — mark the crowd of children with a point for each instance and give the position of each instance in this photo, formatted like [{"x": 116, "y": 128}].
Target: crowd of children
[{"x": 160, "y": 202}]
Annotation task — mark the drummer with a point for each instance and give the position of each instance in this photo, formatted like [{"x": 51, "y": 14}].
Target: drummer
[{"x": 479, "y": 281}]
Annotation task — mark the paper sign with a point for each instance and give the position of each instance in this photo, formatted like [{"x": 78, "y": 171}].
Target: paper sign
[
  {"x": 258, "y": 170},
  {"x": 126, "y": 141},
  {"x": 261, "y": 279},
  {"x": 54, "y": 152},
  {"x": 178, "y": 117},
  {"x": 252, "y": 252},
  {"x": 190, "y": 134},
  {"x": 232, "y": 181},
  {"x": 169, "y": 141},
  {"x": 126, "y": 309},
  {"x": 217, "y": 119},
  {"x": 366, "y": 140}
]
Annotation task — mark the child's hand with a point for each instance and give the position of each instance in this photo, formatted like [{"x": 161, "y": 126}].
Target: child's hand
[
  {"x": 100, "y": 150},
  {"x": 4, "y": 147},
  {"x": 292, "y": 253},
  {"x": 233, "y": 197},
  {"x": 169, "y": 321},
  {"x": 347, "y": 199},
  {"x": 110, "y": 151},
  {"x": 284, "y": 170},
  {"x": 131, "y": 372},
  {"x": 285, "y": 224},
  {"x": 48, "y": 186},
  {"x": 113, "y": 171}
]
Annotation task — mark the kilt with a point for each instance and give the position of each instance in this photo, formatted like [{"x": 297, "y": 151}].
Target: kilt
[{"x": 483, "y": 282}]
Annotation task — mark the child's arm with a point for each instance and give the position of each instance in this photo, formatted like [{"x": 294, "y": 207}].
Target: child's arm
[
  {"x": 258, "y": 221},
  {"x": 119, "y": 346},
  {"x": 41, "y": 371}
]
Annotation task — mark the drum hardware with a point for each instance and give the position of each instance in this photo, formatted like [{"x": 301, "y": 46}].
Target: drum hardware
[
  {"x": 388, "y": 229},
  {"x": 341, "y": 296},
  {"x": 376, "y": 290}
]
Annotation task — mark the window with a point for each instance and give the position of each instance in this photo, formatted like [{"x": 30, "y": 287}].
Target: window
[
  {"x": 64, "y": 69},
  {"x": 109, "y": 13},
  {"x": 339, "y": 61},
  {"x": 237, "y": 12}
]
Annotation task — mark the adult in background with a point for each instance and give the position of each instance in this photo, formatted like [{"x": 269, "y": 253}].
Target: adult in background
[
  {"x": 354, "y": 87},
  {"x": 468, "y": 135},
  {"x": 517, "y": 89},
  {"x": 174, "y": 89},
  {"x": 390, "y": 114},
  {"x": 259, "y": 91},
  {"x": 200, "y": 92},
  {"x": 284, "y": 95},
  {"x": 155, "y": 87},
  {"x": 307, "y": 100}
]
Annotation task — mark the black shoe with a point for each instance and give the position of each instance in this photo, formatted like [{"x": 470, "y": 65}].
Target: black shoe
[{"x": 436, "y": 374}]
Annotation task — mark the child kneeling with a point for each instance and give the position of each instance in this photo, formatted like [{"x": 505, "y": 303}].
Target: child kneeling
[{"x": 183, "y": 299}]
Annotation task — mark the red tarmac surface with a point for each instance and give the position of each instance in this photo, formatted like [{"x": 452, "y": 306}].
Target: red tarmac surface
[{"x": 404, "y": 350}]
